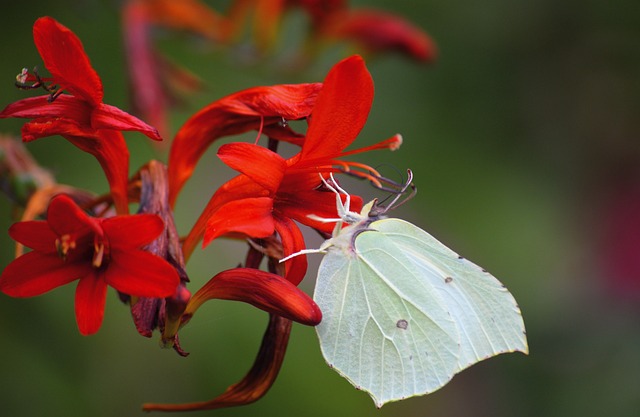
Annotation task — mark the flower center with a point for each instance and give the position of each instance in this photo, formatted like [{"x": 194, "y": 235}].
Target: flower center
[
  {"x": 98, "y": 254},
  {"x": 64, "y": 244}
]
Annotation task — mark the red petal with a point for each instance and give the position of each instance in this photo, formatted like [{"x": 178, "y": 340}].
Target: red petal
[
  {"x": 264, "y": 290},
  {"x": 341, "y": 110},
  {"x": 132, "y": 231},
  {"x": 109, "y": 117},
  {"x": 110, "y": 149},
  {"x": 292, "y": 242},
  {"x": 45, "y": 127},
  {"x": 91, "y": 296},
  {"x": 257, "y": 381},
  {"x": 141, "y": 274},
  {"x": 250, "y": 216},
  {"x": 64, "y": 57},
  {"x": 237, "y": 113},
  {"x": 35, "y": 273},
  {"x": 379, "y": 31},
  {"x": 64, "y": 106},
  {"x": 237, "y": 188},
  {"x": 36, "y": 235},
  {"x": 65, "y": 217},
  {"x": 260, "y": 164}
]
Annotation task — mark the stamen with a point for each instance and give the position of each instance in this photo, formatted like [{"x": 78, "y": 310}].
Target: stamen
[
  {"x": 260, "y": 130},
  {"x": 63, "y": 245},
  {"x": 23, "y": 80},
  {"x": 393, "y": 144},
  {"x": 54, "y": 95},
  {"x": 98, "y": 255}
]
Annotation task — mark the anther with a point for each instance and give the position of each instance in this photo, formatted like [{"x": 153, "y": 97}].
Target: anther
[{"x": 63, "y": 245}]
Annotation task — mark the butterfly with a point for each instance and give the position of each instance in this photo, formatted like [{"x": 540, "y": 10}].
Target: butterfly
[{"x": 403, "y": 313}]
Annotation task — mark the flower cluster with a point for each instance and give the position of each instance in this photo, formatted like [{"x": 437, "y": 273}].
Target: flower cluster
[{"x": 74, "y": 235}]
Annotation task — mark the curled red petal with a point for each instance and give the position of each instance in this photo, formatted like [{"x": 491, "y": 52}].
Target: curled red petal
[
  {"x": 341, "y": 109},
  {"x": 260, "y": 164},
  {"x": 141, "y": 274},
  {"x": 35, "y": 273},
  {"x": 237, "y": 113},
  {"x": 65, "y": 106},
  {"x": 65, "y": 217},
  {"x": 110, "y": 117},
  {"x": 264, "y": 290},
  {"x": 258, "y": 380},
  {"x": 132, "y": 231},
  {"x": 66, "y": 60},
  {"x": 292, "y": 242},
  {"x": 47, "y": 126},
  {"x": 249, "y": 216},
  {"x": 91, "y": 296}
]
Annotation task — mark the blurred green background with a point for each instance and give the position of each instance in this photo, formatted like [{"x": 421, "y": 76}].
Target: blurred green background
[{"x": 525, "y": 143}]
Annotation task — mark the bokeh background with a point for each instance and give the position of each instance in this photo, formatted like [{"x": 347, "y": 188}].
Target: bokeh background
[{"x": 525, "y": 142}]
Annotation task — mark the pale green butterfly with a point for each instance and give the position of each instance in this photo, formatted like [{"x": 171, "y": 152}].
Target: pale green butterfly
[{"x": 402, "y": 313}]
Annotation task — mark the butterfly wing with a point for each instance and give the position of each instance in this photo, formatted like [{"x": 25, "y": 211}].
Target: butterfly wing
[
  {"x": 385, "y": 328},
  {"x": 487, "y": 316}
]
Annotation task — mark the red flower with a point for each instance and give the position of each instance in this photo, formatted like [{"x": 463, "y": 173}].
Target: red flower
[
  {"x": 81, "y": 117},
  {"x": 71, "y": 246},
  {"x": 272, "y": 192}
]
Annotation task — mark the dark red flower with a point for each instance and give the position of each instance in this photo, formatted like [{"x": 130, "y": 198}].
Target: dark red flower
[
  {"x": 81, "y": 116},
  {"x": 97, "y": 252},
  {"x": 273, "y": 193}
]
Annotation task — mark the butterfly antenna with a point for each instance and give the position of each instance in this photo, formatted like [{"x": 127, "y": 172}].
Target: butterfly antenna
[{"x": 399, "y": 192}]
